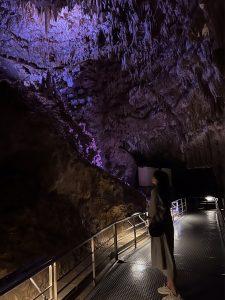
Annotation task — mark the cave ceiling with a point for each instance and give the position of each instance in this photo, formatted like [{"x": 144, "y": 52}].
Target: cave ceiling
[{"x": 139, "y": 78}]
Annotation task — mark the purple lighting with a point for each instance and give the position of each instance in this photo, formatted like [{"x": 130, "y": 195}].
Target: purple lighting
[
  {"x": 91, "y": 147},
  {"x": 33, "y": 51}
]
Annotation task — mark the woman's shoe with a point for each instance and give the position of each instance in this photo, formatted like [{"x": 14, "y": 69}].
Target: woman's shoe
[
  {"x": 164, "y": 290},
  {"x": 171, "y": 296}
]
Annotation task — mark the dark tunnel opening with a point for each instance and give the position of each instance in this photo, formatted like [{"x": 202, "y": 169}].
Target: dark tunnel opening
[{"x": 194, "y": 182}]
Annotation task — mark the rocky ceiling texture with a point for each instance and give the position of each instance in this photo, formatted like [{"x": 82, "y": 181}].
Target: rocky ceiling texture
[{"x": 139, "y": 78}]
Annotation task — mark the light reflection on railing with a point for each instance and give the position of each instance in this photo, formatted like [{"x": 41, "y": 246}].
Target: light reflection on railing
[
  {"x": 178, "y": 207},
  {"x": 221, "y": 219},
  {"x": 81, "y": 268}
]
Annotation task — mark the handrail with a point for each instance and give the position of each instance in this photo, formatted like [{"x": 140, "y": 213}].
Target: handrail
[
  {"x": 12, "y": 280},
  {"x": 221, "y": 221},
  {"x": 32, "y": 269},
  {"x": 20, "y": 276}
]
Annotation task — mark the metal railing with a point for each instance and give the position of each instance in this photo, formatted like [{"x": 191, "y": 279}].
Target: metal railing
[
  {"x": 178, "y": 207},
  {"x": 77, "y": 271},
  {"x": 221, "y": 219}
]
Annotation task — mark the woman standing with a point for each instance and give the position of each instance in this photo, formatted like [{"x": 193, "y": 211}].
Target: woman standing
[{"x": 162, "y": 246}]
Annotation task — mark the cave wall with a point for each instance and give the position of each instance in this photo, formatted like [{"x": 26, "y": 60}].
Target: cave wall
[
  {"x": 101, "y": 83},
  {"x": 51, "y": 198},
  {"x": 135, "y": 77}
]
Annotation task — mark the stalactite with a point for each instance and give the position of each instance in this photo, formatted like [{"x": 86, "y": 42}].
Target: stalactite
[
  {"x": 47, "y": 20},
  {"x": 55, "y": 13}
]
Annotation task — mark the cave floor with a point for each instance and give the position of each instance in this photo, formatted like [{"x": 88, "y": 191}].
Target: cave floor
[{"x": 200, "y": 260}]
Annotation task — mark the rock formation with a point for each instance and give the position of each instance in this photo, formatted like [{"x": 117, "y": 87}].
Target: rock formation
[
  {"x": 51, "y": 198},
  {"x": 138, "y": 77},
  {"x": 123, "y": 81}
]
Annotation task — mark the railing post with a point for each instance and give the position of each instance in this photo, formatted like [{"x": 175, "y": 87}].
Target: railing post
[
  {"x": 135, "y": 235},
  {"x": 146, "y": 223},
  {"x": 93, "y": 261},
  {"x": 50, "y": 282},
  {"x": 185, "y": 201},
  {"x": 171, "y": 211},
  {"x": 37, "y": 287},
  {"x": 115, "y": 241},
  {"x": 55, "y": 281},
  {"x": 182, "y": 206}
]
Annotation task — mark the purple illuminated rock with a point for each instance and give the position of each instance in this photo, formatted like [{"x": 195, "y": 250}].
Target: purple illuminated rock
[
  {"x": 122, "y": 81},
  {"x": 52, "y": 198},
  {"x": 153, "y": 75}
]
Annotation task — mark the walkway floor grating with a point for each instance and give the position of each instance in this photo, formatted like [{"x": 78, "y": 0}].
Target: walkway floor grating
[{"x": 200, "y": 260}]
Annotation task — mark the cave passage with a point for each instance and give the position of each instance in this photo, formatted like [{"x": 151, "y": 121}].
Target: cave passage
[{"x": 92, "y": 95}]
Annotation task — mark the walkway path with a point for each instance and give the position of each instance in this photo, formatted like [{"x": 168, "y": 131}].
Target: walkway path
[{"x": 200, "y": 259}]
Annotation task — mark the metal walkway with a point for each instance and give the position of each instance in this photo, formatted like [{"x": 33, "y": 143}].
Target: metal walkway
[{"x": 200, "y": 260}]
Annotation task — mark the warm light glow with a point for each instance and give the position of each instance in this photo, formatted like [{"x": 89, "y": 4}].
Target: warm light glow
[
  {"x": 210, "y": 198},
  {"x": 138, "y": 267},
  {"x": 137, "y": 270}
]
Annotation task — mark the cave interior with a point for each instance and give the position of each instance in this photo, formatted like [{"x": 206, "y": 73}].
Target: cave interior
[{"x": 92, "y": 90}]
